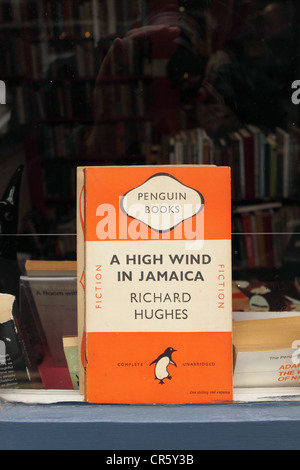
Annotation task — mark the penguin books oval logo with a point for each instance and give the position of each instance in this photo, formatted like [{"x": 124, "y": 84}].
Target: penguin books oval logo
[{"x": 162, "y": 202}]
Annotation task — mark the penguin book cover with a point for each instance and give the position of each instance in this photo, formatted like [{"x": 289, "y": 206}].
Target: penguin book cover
[{"x": 154, "y": 284}]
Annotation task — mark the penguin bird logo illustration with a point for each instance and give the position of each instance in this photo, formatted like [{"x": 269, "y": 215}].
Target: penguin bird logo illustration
[{"x": 161, "y": 365}]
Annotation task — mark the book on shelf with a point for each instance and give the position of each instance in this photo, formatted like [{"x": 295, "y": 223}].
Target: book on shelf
[
  {"x": 266, "y": 328},
  {"x": 140, "y": 228},
  {"x": 250, "y": 239},
  {"x": 266, "y": 350},
  {"x": 38, "y": 268},
  {"x": 191, "y": 146},
  {"x": 12, "y": 56},
  {"x": 238, "y": 165},
  {"x": 60, "y": 103},
  {"x": 17, "y": 12},
  {"x": 258, "y": 160},
  {"x": 14, "y": 371},
  {"x": 253, "y": 238},
  {"x": 81, "y": 329},
  {"x": 262, "y": 233},
  {"x": 248, "y": 163},
  {"x": 54, "y": 141},
  {"x": 70, "y": 345},
  {"x": 48, "y": 297},
  {"x": 263, "y": 165},
  {"x": 120, "y": 17},
  {"x": 93, "y": 17},
  {"x": 283, "y": 149},
  {"x": 240, "y": 301},
  {"x": 291, "y": 255}
]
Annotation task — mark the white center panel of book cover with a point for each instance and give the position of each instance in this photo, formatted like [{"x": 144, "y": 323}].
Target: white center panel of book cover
[{"x": 158, "y": 286}]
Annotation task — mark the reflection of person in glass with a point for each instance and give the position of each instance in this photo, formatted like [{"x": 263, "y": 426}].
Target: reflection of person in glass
[
  {"x": 244, "y": 82},
  {"x": 109, "y": 81},
  {"x": 257, "y": 67},
  {"x": 178, "y": 71}
]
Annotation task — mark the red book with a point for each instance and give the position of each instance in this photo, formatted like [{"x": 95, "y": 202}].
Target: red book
[
  {"x": 269, "y": 240},
  {"x": 249, "y": 239},
  {"x": 248, "y": 145}
]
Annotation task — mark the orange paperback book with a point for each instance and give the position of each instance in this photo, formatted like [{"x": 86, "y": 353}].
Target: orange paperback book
[{"x": 154, "y": 284}]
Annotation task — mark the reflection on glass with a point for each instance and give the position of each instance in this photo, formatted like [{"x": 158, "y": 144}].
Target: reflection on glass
[{"x": 103, "y": 82}]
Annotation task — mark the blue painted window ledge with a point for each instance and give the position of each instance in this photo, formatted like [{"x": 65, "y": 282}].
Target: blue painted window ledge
[{"x": 257, "y": 419}]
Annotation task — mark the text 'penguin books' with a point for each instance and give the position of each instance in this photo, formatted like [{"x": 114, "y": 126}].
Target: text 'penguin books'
[{"x": 154, "y": 284}]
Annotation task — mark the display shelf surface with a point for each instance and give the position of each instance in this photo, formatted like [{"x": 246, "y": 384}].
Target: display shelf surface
[{"x": 68, "y": 425}]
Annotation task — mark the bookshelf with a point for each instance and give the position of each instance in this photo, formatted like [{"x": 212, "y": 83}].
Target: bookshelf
[
  {"x": 141, "y": 110},
  {"x": 66, "y": 51},
  {"x": 145, "y": 109},
  {"x": 50, "y": 56}
]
